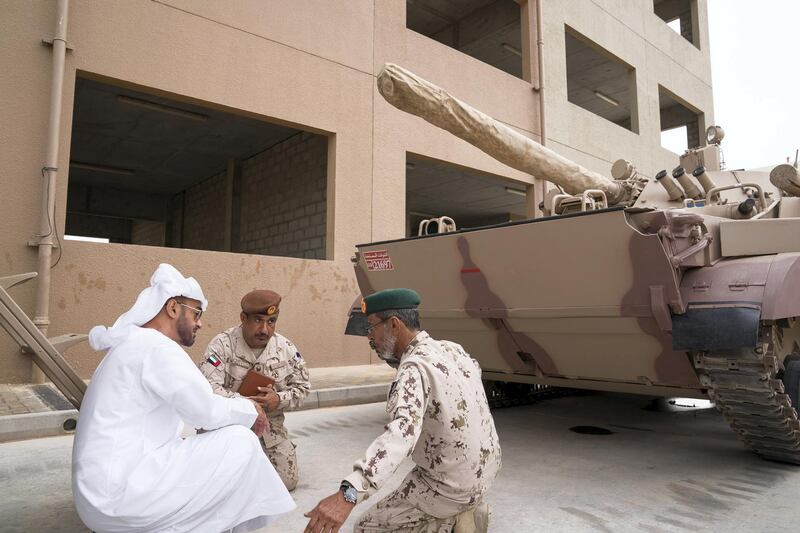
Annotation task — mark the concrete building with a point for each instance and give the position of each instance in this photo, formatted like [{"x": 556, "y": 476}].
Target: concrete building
[{"x": 245, "y": 142}]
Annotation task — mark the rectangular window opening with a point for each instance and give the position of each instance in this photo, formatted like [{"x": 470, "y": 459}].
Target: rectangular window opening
[
  {"x": 681, "y": 16},
  {"x": 470, "y": 197},
  {"x": 675, "y": 140},
  {"x": 681, "y": 123},
  {"x": 600, "y": 82},
  {"x": 85, "y": 239},
  {"x": 488, "y": 30},
  {"x": 157, "y": 171},
  {"x": 675, "y": 25}
]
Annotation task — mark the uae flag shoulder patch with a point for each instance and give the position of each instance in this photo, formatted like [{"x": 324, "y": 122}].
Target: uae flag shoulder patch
[{"x": 214, "y": 360}]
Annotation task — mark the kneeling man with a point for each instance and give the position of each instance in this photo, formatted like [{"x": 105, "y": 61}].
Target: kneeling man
[
  {"x": 439, "y": 416},
  {"x": 254, "y": 345},
  {"x": 131, "y": 470}
]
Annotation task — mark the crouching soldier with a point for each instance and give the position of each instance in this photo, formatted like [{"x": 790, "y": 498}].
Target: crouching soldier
[
  {"x": 439, "y": 416},
  {"x": 254, "y": 345}
]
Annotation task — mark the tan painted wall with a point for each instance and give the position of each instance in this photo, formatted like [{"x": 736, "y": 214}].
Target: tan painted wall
[{"x": 310, "y": 65}]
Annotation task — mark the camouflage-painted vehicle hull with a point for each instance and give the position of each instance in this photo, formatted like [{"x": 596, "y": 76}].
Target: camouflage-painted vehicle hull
[
  {"x": 681, "y": 285},
  {"x": 602, "y": 307}
]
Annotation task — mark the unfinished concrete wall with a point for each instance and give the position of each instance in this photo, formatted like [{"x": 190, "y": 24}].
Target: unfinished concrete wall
[
  {"x": 204, "y": 214},
  {"x": 283, "y": 201},
  {"x": 147, "y": 232},
  {"x": 631, "y": 31}
]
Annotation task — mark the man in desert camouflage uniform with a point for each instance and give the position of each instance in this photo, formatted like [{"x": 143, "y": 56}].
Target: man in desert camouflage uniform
[
  {"x": 253, "y": 344},
  {"x": 439, "y": 416}
]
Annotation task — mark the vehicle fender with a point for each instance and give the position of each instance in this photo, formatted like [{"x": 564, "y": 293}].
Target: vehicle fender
[{"x": 782, "y": 289}]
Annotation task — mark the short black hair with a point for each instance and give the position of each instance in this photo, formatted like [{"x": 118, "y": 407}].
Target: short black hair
[{"x": 409, "y": 317}]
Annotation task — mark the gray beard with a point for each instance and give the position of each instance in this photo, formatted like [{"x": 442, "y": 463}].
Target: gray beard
[{"x": 386, "y": 351}]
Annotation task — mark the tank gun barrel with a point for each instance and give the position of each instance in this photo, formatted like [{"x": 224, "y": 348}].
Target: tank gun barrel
[{"x": 412, "y": 94}]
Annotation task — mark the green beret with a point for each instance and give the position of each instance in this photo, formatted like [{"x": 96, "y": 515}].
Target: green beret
[{"x": 388, "y": 299}]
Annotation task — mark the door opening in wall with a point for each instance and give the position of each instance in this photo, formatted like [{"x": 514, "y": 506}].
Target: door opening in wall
[{"x": 160, "y": 170}]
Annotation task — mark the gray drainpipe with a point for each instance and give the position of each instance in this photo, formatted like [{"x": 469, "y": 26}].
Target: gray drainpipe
[
  {"x": 540, "y": 68},
  {"x": 49, "y": 172},
  {"x": 535, "y": 192},
  {"x": 540, "y": 73}
]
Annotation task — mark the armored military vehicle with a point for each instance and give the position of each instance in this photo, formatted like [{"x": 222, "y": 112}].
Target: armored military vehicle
[{"x": 680, "y": 284}]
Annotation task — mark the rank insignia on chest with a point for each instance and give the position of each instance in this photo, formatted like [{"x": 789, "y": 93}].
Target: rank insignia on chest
[{"x": 214, "y": 360}]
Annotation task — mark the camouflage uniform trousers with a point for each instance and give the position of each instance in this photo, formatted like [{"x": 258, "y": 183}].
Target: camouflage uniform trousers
[
  {"x": 284, "y": 458},
  {"x": 412, "y": 508}
]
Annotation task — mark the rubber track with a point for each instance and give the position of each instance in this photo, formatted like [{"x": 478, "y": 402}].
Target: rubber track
[{"x": 743, "y": 385}]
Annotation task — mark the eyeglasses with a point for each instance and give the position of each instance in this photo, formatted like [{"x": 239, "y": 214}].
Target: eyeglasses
[
  {"x": 376, "y": 324},
  {"x": 197, "y": 312}
]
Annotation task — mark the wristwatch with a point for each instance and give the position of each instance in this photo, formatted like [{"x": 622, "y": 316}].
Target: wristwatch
[{"x": 349, "y": 492}]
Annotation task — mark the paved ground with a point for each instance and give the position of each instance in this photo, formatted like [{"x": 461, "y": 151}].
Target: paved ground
[
  {"x": 20, "y": 399},
  {"x": 656, "y": 472}
]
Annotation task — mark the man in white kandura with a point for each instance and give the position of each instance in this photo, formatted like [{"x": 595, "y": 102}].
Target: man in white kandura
[{"x": 131, "y": 470}]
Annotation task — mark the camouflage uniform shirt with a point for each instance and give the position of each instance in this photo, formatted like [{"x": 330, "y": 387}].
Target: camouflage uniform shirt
[
  {"x": 439, "y": 416},
  {"x": 280, "y": 360}
]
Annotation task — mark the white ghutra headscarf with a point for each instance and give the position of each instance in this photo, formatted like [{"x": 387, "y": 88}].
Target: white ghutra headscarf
[{"x": 165, "y": 283}]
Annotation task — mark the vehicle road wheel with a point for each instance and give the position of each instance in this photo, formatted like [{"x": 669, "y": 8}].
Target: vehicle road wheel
[{"x": 791, "y": 378}]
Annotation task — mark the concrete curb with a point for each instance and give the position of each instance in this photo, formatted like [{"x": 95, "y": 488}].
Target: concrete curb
[
  {"x": 35, "y": 425},
  {"x": 54, "y": 423},
  {"x": 346, "y": 396}
]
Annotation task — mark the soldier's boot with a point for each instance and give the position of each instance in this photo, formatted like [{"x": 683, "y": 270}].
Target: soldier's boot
[
  {"x": 475, "y": 520},
  {"x": 481, "y": 517},
  {"x": 465, "y": 522}
]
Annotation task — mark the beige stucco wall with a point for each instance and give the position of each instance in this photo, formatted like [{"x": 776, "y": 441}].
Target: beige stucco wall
[{"x": 310, "y": 65}]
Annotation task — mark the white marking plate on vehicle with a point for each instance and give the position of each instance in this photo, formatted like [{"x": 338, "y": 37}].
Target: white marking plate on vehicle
[{"x": 378, "y": 260}]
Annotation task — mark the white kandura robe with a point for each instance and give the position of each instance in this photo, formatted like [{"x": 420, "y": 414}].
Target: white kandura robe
[{"x": 131, "y": 470}]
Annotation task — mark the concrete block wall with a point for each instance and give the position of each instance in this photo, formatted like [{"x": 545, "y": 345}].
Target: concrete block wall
[
  {"x": 204, "y": 214},
  {"x": 147, "y": 232},
  {"x": 283, "y": 200},
  {"x": 117, "y": 229}
]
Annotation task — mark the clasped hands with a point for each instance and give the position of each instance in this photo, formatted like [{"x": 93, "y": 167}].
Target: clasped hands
[
  {"x": 265, "y": 402},
  {"x": 268, "y": 398}
]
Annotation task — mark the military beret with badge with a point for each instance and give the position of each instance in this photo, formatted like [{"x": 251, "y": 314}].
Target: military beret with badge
[
  {"x": 389, "y": 299},
  {"x": 261, "y": 302}
]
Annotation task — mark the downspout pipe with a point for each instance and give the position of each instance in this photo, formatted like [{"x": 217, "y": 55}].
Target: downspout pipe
[
  {"x": 47, "y": 226},
  {"x": 540, "y": 69},
  {"x": 540, "y": 75}
]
